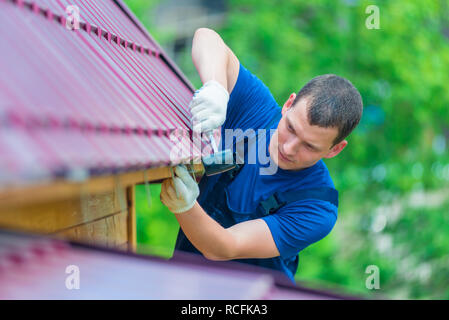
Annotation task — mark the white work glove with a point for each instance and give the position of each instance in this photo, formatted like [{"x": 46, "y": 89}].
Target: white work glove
[
  {"x": 208, "y": 107},
  {"x": 184, "y": 196}
]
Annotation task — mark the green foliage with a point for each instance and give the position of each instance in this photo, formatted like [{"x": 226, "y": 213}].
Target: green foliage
[
  {"x": 398, "y": 152},
  {"x": 156, "y": 225}
]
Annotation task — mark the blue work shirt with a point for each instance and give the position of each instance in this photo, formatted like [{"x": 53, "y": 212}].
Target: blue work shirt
[{"x": 296, "y": 225}]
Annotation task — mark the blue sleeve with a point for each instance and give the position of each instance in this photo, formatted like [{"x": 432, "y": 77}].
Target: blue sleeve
[
  {"x": 299, "y": 224},
  {"x": 251, "y": 104}
]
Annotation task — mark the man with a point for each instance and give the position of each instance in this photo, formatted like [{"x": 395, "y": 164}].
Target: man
[{"x": 265, "y": 220}]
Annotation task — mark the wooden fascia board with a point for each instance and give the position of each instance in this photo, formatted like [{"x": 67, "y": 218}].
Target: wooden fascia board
[{"x": 11, "y": 196}]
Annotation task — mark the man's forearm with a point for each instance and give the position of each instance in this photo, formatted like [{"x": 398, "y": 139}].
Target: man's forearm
[
  {"x": 210, "y": 55},
  {"x": 209, "y": 237}
]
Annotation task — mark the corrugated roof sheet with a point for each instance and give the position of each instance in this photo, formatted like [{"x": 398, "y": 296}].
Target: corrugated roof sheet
[
  {"x": 31, "y": 269},
  {"x": 104, "y": 97}
]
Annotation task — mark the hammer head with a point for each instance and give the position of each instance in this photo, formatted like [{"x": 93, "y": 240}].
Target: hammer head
[{"x": 218, "y": 162}]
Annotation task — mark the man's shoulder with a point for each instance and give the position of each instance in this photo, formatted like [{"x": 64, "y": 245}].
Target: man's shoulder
[
  {"x": 250, "y": 96},
  {"x": 318, "y": 184},
  {"x": 320, "y": 176},
  {"x": 315, "y": 176}
]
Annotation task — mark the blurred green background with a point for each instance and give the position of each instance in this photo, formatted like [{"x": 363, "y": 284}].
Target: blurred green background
[{"x": 393, "y": 177}]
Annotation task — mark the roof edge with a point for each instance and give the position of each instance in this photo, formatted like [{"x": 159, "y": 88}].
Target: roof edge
[{"x": 163, "y": 55}]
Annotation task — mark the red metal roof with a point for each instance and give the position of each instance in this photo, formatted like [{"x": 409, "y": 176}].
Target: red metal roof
[
  {"x": 103, "y": 97},
  {"x": 32, "y": 267}
]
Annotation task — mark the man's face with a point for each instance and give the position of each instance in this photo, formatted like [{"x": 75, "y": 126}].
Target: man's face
[{"x": 298, "y": 145}]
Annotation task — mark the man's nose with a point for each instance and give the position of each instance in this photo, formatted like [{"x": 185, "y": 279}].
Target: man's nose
[{"x": 291, "y": 147}]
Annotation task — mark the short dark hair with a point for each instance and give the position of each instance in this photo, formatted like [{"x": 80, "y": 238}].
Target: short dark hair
[{"x": 332, "y": 101}]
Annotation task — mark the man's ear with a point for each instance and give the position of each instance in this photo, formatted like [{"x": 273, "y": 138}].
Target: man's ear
[
  {"x": 288, "y": 103},
  {"x": 336, "y": 149}
]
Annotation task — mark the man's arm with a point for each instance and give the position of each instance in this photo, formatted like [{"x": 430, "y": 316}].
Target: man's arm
[
  {"x": 249, "y": 239},
  {"x": 213, "y": 59}
]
